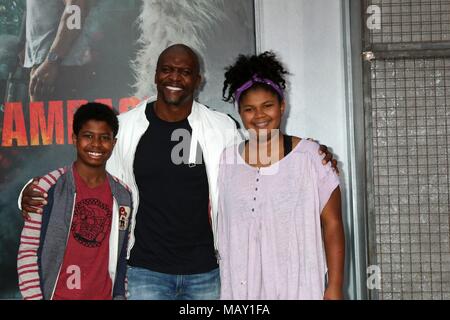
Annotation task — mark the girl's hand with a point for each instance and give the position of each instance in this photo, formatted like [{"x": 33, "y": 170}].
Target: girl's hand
[{"x": 333, "y": 293}]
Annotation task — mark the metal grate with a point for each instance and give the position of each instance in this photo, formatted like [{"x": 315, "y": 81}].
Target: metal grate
[
  {"x": 411, "y": 152},
  {"x": 412, "y": 21}
]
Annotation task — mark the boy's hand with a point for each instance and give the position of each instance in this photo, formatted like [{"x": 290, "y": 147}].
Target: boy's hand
[
  {"x": 32, "y": 199},
  {"x": 333, "y": 293}
]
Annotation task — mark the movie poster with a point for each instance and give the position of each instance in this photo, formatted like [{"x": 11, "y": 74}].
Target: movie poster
[{"x": 112, "y": 61}]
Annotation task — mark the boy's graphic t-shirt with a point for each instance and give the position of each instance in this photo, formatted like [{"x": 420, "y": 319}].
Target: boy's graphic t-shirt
[{"x": 84, "y": 273}]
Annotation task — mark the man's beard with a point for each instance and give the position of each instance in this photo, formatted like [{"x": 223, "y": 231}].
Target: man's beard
[{"x": 174, "y": 101}]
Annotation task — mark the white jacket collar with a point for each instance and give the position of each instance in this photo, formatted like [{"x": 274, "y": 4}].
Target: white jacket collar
[{"x": 193, "y": 116}]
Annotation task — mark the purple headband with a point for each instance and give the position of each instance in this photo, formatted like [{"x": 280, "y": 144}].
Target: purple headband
[{"x": 251, "y": 82}]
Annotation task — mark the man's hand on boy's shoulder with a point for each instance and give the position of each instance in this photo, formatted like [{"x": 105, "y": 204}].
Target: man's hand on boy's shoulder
[{"x": 32, "y": 199}]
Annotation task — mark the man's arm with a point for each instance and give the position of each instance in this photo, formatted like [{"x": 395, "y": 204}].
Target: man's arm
[
  {"x": 44, "y": 76},
  {"x": 333, "y": 231}
]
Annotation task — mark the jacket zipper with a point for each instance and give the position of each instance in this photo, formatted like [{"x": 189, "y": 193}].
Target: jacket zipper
[
  {"x": 65, "y": 247},
  {"x": 117, "y": 249}
]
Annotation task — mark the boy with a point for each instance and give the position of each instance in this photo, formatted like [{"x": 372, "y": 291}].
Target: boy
[{"x": 75, "y": 248}]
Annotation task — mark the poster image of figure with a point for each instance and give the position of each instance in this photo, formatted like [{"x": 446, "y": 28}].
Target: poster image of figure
[{"x": 48, "y": 70}]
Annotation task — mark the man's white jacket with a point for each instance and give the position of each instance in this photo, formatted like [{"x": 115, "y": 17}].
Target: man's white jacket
[{"x": 214, "y": 131}]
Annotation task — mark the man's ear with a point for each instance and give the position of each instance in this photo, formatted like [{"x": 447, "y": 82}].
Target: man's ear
[
  {"x": 199, "y": 81},
  {"x": 114, "y": 142},
  {"x": 74, "y": 139}
]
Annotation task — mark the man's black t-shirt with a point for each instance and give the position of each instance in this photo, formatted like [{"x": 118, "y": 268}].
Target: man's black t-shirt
[{"x": 173, "y": 234}]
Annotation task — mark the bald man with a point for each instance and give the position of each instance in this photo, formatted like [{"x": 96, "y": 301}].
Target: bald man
[{"x": 171, "y": 253}]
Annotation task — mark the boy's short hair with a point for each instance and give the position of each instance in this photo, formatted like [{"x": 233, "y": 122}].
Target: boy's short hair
[{"x": 95, "y": 111}]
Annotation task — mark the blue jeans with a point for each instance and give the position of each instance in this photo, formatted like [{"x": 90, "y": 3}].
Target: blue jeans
[{"x": 144, "y": 284}]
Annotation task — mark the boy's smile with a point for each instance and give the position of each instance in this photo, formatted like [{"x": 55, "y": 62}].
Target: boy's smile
[{"x": 94, "y": 143}]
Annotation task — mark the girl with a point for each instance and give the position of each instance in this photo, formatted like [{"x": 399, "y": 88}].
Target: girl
[{"x": 280, "y": 224}]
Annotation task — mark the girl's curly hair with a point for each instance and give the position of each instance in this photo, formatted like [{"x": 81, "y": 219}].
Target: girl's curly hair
[{"x": 264, "y": 65}]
